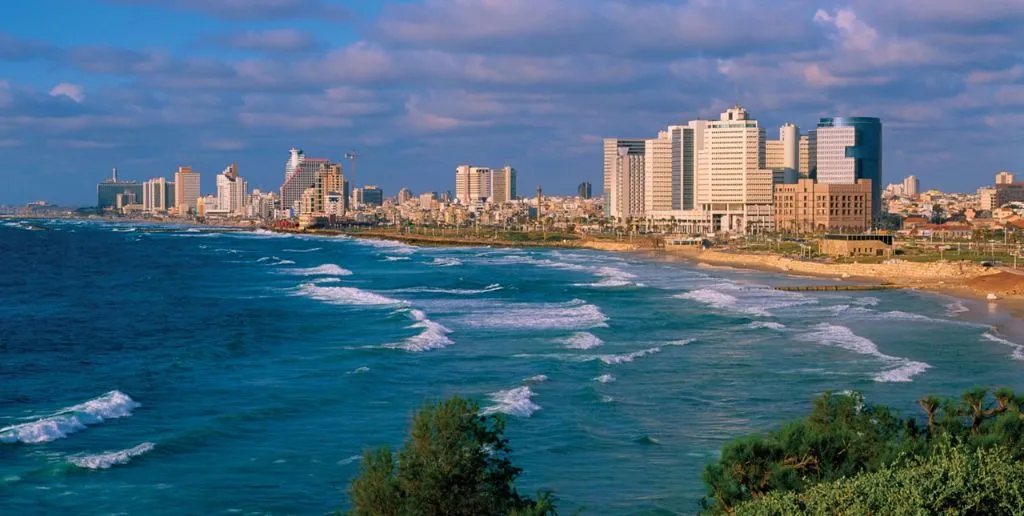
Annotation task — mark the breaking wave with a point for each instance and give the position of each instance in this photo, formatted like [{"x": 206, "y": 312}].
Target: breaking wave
[
  {"x": 572, "y": 315},
  {"x": 107, "y": 459},
  {"x": 395, "y": 258},
  {"x": 1018, "y": 349},
  {"x": 900, "y": 370},
  {"x": 327, "y": 269},
  {"x": 955, "y": 308},
  {"x": 494, "y": 287},
  {"x": 302, "y": 250},
  {"x": 390, "y": 246},
  {"x": 757, "y": 325},
  {"x": 432, "y": 336},
  {"x": 112, "y": 405},
  {"x": 582, "y": 340},
  {"x": 540, "y": 378},
  {"x": 605, "y": 378},
  {"x": 514, "y": 402},
  {"x": 628, "y": 357},
  {"x": 446, "y": 262},
  {"x": 359, "y": 370},
  {"x": 345, "y": 295}
]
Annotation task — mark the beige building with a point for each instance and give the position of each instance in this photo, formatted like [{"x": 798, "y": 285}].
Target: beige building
[
  {"x": 503, "y": 185},
  {"x": 472, "y": 184},
  {"x": 809, "y": 207},
  {"x": 624, "y": 170},
  {"x": 733, "y": 185},
  {"x": 992, "y": 198},
  {"x": 157, "y": 195},
  {"x": 330, "y": 179},
  {"x": 856, "y": 245},
  {"x": 1004, "y": 178},
  {"x": 186, "y": 191},
  {"x": 806, "y": 156}
]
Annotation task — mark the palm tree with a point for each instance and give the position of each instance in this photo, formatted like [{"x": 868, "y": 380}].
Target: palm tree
[
  {"x": 975, "y": 400},
  {"x": 930, "y": 405}
]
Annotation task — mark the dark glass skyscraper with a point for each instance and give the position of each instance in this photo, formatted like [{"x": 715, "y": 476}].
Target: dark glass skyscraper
[{"x": 848, "y": 149}]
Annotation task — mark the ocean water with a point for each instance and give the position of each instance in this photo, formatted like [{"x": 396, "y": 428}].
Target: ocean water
[{"x": 171, "y": 370}]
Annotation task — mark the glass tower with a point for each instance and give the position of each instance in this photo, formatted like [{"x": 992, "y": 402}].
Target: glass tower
[{"x": 849, "y": 149}]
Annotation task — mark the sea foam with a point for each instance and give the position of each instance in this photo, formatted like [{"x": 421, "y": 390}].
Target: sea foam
[
  {"x": 112, "y": 405},
  {"x": 900, "y": 370},
  {"x": 514, "y": 402},
  {"x": 572, "y": 315},
  {"x": 494, "y": 287},
  {"x": 390, "y": 246},
  {"x": 605, "y": 378},
  {"x": 757, "y": 301},
  {"x": 431, "y": 336},
  {"x": 345, "y": 295},
  {"x": 1018, "y": 349},
  {"x": 446, "y": 262},
  {"x": 582, "y": 340},
  {"x": 107, "y": 459},
  {"x": 327, "y": 269}
]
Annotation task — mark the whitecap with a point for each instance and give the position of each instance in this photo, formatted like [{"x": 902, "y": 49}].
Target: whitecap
[
  {"x": 302, "y": 250},
  {"x": 345, "y": 295},
  {"x": 611, "y": 277},
  {"x": 867, "y": 301},
  {"x": 514, "y": 402},
  {"x": 955, "y": 308},
  {"x": 901, "y": 370},
  {"x": 605, "y": 378},
  {"x": 327, "y": 269},
  {"x": 1018, "y": 349},
  {"x": 107, "y": 459},
  {"x": 446, "y": 262},
  {"x": 768, "y": 325},
  {"x": 606, "y": 399},
  {"x": 350, "y": 460},
  {"x": 540, "y": 378},
  {"x": 432, "y": 336},
  {"x": 395, "y": 258},
  {"x": 359, "y": 370},
  {"x": 628, "y": 357},
  {"x": 755, "y": 301},
  {"x": 494, "y": 287},
  {"x": 112, "y": 405},
  {"x": 320, "y": 281},
  {"x": 573, "y": 315},
  {"x": 390, "y": 246},
  {"x": 582, "y": 340}
]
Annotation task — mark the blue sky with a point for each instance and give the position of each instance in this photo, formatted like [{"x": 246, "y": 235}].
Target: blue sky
[{"x": 418, "y": 87}]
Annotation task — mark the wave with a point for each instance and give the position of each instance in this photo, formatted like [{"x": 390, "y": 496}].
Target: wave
[
  {"x": 955, "y": 308},
  {"x": 446, "y": 262},
  {"x": 756, "y": 301},
  {"x": 390, "y": 246},
  {"x": 112, "y": 405},
  {"x": 867, "y": 301},
  {"x": 359, "y": 370},
  {"x": 572, "y": 315},
  {"x": 540, "y": 378},
  {"x": 514, "y": 402},
  {"x": 433, "y": 336},
  {"x": 345, "y": 295},
  {"x": 395, "y": 258},
  {"x": 582, "y": 340},
  {"x": 757, "y": 325},
  {"x": 494, "y": 287},
  {"x": 611, "y": 277},
  {"x": 321, "y": 281},
  {"x": 902, "y": 370},
  {"x": 277, "y": 261},
  {"x": 302, "y": 250},
  {"x": 108, "y": 459},
  {"x": 628, "y": 357},
  {"x": 350, "y": 460},
  {"x": 1018, "y": 349},
  {"x": 327, "y": 269},
  {"x": 605, "y": 378}
]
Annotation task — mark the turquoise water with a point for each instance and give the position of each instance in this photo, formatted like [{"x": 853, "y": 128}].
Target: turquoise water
[{"x": 153, "y": 370}]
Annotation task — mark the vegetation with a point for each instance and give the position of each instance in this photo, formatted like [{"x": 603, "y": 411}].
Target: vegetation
[
  {"x": 847, "y": 449},
  {"x": 455, "y": 462}
]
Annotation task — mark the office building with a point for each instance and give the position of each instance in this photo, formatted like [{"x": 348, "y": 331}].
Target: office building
[
  {"x": 231, "y": 191},
  {"x": 991, "y": 198},
  {"x": 299, "y": 174},
  {"x": 733, "y": 186},
  {"x": 108, "y": 191},
  {"x": 774, "y": 154},
  {"x": 186, "y": 191},
  {"x": 472, "y": 184},
  {"x": 503, "y": 185},
  {"x": 157, "y": 195},
  {"x": 330, "y": 186},
  {"x": 809, "y": 206},
  {"x": 584, "y": 190},
  {"x": 371, "y": 195},
  {"x": 668, "y": 161},
  {"x": 261, "y": 205},
  {"x": 911, "y": 186},
  {"x": 1002, "y": 178},
  {"x": 807, "y": 162},
  {"x": 624, "y": 170},
  {"x": 848, "y": 149}
]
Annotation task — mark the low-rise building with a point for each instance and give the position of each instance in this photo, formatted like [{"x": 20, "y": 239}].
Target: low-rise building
[
  {"x": 809, "y": 206},
  {"x": 856, "y": 245}
]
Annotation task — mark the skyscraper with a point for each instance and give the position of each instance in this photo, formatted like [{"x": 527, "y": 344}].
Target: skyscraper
[
  {"x": 157, "y": 195},
  {"x": 667, "y": 159},
  {"x": 472, "y": 184},
  {"x": 848, "y": 149},
  {"x": 299, "y": 174},
  {"x": 186, "y": 190},
  {"x": 1002, "y": 178},
  {"x": 624, "y": 177},
  {"x": 806, "y": 157},
  {"x": 330, "y": 180},
  {"x": 733, "y": 185},
  {"x": 372, "y": 195},
  {"x": 231, "y": 191},
  {"x": 789, "y": 135},
  {"x": 911, "y": 186},
  {"x": 503, "y": 184},
  {"x": 584, "y": 190},
  {"x": 107, "y": 192}
]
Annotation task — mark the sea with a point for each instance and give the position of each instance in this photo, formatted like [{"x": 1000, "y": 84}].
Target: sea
[{"x": 161, "y": 369}]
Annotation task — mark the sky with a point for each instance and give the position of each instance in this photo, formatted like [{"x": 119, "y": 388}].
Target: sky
[{"x": 417, "y": 87}]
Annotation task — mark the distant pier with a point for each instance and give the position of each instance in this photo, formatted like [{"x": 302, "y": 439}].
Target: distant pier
[{"x": 836, "y": 288}]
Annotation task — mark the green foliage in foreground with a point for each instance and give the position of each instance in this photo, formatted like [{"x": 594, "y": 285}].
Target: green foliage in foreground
[
  {"x": 952, "y": 480},
  {"x": 843, "y": 437},
  {"x": 455, "y": 462}
]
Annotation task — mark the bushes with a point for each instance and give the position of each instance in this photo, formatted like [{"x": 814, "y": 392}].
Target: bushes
[
  {"x": 455, "y": 462},
  {"x": 843, "y": 438},
  {"x": 953, "y": 480}
]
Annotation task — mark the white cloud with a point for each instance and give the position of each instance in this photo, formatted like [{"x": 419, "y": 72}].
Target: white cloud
[{"x": 71, "y": 91}]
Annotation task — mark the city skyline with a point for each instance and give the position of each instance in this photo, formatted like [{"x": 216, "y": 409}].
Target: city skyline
[{"x": 135, "y": 91}]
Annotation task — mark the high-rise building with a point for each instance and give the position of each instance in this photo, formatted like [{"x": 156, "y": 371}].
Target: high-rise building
[
  {"x": 186, "y": 190},
  {"x": 624, "y": 177},
  {"x": 733, "y": 186},
  {"x": 809, "y": 206},
  {"x": 911, "y": 186},
  {"x": 372, "y": 195},
  {"x": 805, "y": 155},
  {"x": 108, "y": 191},
  {"x": 231, "y": 191},
  {"x": 404, "y": 195},
  {"x": 472, "y": 184},
  {"x": 584, "y": 190},
  {"x": 848, "y": 149},
  {"x": 330, "y": 181},
  {"x": 157, "y": 195},
  {"x": 1002, "y": 178},
  {"x": 503, "y": 185},
  {"x": 774, "y": 154},
  {"x": 668, "y": 162},
  {"x": 299, "y": 174},
  {"x": 261, "y": 205},
  {"x": 789, "y": 135}
]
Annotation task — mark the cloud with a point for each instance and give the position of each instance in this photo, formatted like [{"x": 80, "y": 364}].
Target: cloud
[
  {"x": 71, "y": 91},
  {"x": 253, "y": 9},
  {"x": 272, "y": 40},
  {"x": 1011, "y": 74}
]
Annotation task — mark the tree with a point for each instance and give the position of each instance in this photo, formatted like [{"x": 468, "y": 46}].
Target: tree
[{"x": 454, "y": 462}]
